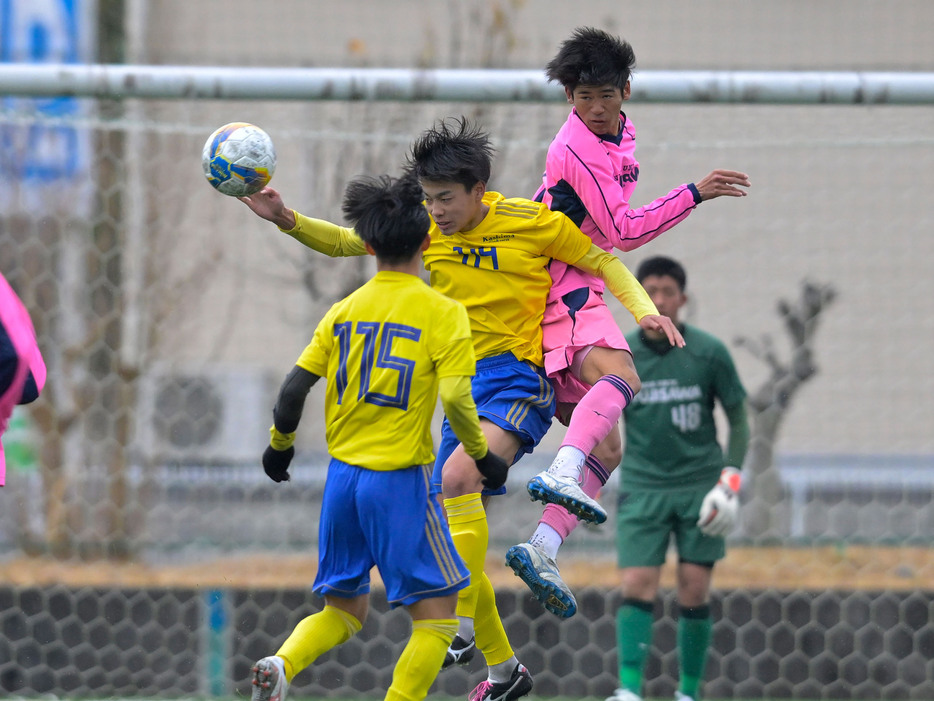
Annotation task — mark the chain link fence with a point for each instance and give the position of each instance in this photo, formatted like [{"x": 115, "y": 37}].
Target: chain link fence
[
  {"x": 168, "y": 314},
  {"x": 144, "y": 553}
]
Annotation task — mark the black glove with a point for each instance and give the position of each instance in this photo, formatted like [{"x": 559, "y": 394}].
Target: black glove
[
  {"x": 276, "y": 463},
  {"x": 494, "y": 470}
]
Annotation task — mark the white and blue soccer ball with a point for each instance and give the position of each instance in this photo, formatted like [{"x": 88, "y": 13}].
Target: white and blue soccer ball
[{"x": 238, "y": 159}]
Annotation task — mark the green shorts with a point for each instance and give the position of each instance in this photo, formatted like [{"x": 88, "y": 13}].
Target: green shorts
[{"x": 646, "y": 521}]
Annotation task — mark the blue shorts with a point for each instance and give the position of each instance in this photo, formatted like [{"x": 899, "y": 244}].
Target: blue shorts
[
  {"x": 387, "y": 519},
  {"x": 513, "y": 394}
]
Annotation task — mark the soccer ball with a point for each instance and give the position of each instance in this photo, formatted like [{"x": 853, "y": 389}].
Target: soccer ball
[{"x": 238, "y": 159}]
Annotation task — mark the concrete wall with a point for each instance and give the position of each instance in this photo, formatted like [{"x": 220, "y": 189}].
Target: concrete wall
[{"x": 841, "y": 195}]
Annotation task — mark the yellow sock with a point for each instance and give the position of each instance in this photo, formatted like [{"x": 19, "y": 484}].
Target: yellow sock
[
  {"x": 314, "y": 636},
  {"x": 471, "y": 535},
  {"x": 421, "y": 659},
  {"x": 488, "y": 626}
]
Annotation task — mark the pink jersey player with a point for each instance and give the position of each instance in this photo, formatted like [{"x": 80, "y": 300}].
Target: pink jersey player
[
  {"x": 590, "y": 175},
  {"x": 22, "y": 370},
  {"x": 591, "y": 178}
]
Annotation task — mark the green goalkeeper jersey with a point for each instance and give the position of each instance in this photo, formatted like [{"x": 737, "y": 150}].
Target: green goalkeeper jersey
[{"x": 671, "y": 436}]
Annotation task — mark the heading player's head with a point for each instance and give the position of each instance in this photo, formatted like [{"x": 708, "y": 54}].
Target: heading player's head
[
  {"x": 388, "y": 216},
  {"x": 592, "y": 57},
  {"x": 664, "y": 279},
  {"x": 594, "y": 67},
  {"x": 453, "y": 161}
]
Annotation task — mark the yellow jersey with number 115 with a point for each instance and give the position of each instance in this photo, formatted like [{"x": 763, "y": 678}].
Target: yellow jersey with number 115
[{"x": 383, "y": 349}]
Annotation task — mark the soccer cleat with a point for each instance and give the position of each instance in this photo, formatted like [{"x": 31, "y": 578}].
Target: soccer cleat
[
  {"x": 683, "y": 697},
  {"x": 566, "y": 492},
  {"x": 624, "y": 695},
  {"x": 519, "y": 684},
  {"x": 459, "y": 652},
  {"x": 540, "y": 574},
  {"x": 269, "y": 682}
]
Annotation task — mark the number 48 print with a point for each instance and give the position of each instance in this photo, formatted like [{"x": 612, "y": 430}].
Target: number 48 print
[{"x": 687, "y": 417}]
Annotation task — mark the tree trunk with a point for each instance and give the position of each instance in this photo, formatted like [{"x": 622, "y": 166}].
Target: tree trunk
[{"x": 765, "y": 515}]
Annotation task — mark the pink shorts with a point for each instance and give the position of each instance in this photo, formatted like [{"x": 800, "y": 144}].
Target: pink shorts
[{"x": 572, "y": 324}]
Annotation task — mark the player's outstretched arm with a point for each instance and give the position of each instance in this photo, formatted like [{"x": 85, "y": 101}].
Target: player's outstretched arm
[
  {"x": 317, "y": 234},
  {"x": 722, "y": 183},
  {"x": 594, "y": 182}
]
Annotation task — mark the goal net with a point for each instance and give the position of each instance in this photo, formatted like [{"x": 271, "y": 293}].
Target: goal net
[{"x": 145, "y": 552}]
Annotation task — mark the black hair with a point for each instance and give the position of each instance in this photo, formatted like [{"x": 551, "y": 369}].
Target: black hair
[
  {"x": 592, "y": 57},
  {"x": 388, "y": 214},
  {"x": 660, "y": 265},
  {"x": 454, "y": 150}
]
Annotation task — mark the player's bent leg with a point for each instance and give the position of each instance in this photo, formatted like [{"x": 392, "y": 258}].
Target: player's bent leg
[
  {"x": 420, "y": 661},
  {"x": 492, "y": 640},
  {"x": 540, "y": 574},
  {"x": 506, "y": 677},
  {"x": 470, "y": 533},
  {"x": 469, "y": 530},
  {"x": 594, "y": 420},
  {"x": 312, "y": 637}
]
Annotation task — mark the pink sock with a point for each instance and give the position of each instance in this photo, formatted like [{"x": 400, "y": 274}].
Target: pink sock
[
  {"x": 595, "y": 477},
  {"x": 597, "y": 413}
]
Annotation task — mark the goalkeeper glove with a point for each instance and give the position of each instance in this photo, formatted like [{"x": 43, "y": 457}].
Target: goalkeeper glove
[
  {"x": 494, "y": 470},
  {"x": 276, "y": 463},
  {"x": 720, "y": 507}
]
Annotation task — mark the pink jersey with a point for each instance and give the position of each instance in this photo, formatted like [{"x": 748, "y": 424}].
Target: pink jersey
[
  {"x": 590, "y": 178},
  {"x": 26, "y": 359}
]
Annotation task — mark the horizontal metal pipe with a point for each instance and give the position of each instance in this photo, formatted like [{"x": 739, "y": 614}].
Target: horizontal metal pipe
[{"x": 476, "y": 85}]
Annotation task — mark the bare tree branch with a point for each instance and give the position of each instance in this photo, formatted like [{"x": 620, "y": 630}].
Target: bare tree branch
[{"x": 771, "y": 400}]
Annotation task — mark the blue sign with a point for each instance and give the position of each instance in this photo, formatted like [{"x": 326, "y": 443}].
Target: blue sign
[{"x": 32, "y": 146}]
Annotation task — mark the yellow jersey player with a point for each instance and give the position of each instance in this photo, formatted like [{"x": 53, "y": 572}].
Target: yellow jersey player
[
  {"x": 386, "y": 351},
  {"x": 491, "y": 253}
]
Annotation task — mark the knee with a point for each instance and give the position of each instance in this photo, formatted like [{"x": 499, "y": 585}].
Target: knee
[
  {"x": 637, "y": 584},
  {"x": 627, "y": 373},
  {"x": 632, "y": 379},
  {"x": 460, "y": 478}
]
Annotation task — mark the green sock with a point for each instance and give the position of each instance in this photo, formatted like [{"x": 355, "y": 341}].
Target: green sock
[
  {"x": 633, "y": 636},
  {"x": 694, "y": 628}
]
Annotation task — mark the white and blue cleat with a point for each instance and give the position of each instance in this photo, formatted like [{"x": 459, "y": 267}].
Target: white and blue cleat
[
  {"x": 565, "y": 492},
  {"x": 540, "y": 574}
]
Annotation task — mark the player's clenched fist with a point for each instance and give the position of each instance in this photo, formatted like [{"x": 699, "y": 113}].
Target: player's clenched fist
[
  {"x": 276, "y": 463},
  {"x": 494, "y": 470}
]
